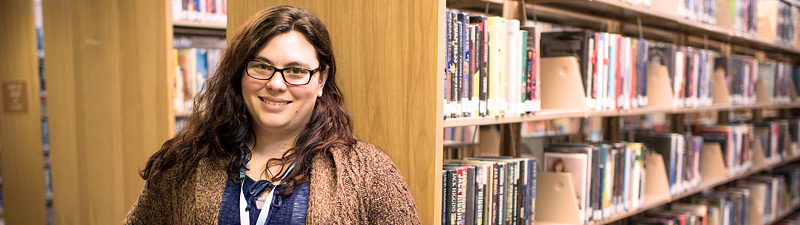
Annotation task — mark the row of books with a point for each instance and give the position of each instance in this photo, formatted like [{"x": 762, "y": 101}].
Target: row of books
[
  {"x": 745, "y": 17},
  {"x": 740, "y": 76},
  {"x": 774, "y": 140},
  {"x": 778, "y": 80},
  {"x": 704, "y": 11},
  {"x": 608, "y": 178},
  {"x": 192, "y": 68},
  {"x": 460, "y": 134},
  {"x": 783, "y": 18},
  {"x": 201, "y": 11},
  {"x": 614, "y": 68},
  {"x": 681, "y": 156},
  {"x": 490, "y": 67},
  {"x": 756, "y": 199},
  {"x": 489, "y": 190}
]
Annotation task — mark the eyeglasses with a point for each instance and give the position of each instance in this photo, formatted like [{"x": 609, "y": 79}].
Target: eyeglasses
[{"x": 293, "y": 75}]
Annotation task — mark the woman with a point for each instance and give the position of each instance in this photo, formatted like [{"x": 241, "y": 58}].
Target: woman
[{"x": 272, "y": 115}]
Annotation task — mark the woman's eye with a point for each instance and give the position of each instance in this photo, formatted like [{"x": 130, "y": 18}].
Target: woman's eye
[{"x": 296, "y": 70}]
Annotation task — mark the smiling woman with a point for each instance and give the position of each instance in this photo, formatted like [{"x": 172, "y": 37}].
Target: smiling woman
[{"x": 270, "y": 141}]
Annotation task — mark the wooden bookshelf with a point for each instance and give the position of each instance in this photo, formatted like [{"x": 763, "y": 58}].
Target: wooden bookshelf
[{"x": 703, "y": 186}]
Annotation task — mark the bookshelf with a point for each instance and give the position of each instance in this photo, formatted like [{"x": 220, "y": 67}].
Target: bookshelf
[{"x": 616, "y": 16}]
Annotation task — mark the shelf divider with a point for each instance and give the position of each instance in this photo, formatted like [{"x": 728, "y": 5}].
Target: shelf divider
[{"x": 562, "y": 87}]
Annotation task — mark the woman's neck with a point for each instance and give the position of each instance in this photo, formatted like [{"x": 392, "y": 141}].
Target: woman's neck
[{"x": 266, "y": 146}]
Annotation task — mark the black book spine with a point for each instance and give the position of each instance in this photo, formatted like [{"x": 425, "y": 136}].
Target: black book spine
[
  {"x": 444, "y": 197},
  {"x": 520, "y": 206},
  {"x": 462, "y": 195},
  {"x": 495, "y": 193},
  {"x": 452, "y": 180},
  {"x": 470, "y": 206},
  {"x": 501, "y": 194},
  {"x": 511, "y": 195},
  {"x": 480, "y": 194},
  {"x": 584, "y": 55},
  {"x": 596, "y": 181}
]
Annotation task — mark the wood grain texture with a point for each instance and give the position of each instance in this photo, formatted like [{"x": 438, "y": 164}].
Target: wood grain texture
[
  {"x": 21, "y": 133},
  {"x": 109, "y": 103},
  {"x": 389, "y": 56}
]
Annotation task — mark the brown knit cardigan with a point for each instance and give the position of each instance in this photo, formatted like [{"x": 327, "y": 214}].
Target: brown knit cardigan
[{"x": 357, "y": 185}]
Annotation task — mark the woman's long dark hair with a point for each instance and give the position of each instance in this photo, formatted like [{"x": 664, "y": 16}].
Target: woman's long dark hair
[{"x": 220, "y": 126}]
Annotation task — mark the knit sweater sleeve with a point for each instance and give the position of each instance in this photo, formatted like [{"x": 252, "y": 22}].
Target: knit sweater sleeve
[
  {"x": 156, "y": 201},
  {"x": 389, "y": 197}
]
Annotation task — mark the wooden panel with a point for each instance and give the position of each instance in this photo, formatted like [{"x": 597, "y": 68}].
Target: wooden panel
[
  {"x": 389, "y": 66},
  {"x": 108, "y": 102},
  {"x": 20, "y": 132}
]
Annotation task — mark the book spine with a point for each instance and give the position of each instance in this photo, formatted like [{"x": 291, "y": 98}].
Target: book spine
[
  {"x": 462, "y": 196},
  {"x": 495, "y": 218},
  {"x": 444, "y": 197},
  {"x": 501, "y": 194},
  {"x": 484, "y": 77},
  {"x": 480, "y": 194},
  {"x": 452, "y": 197},
  {"x": 470, "y": 196},
  {"x": 464, "y": 74}
]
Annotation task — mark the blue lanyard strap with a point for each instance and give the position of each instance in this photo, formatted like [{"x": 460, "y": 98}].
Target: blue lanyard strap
[{"x": 244, "y": 217}]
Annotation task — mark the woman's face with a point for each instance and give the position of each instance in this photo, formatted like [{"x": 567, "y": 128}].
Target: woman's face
[{"x": 273, "y": 104}]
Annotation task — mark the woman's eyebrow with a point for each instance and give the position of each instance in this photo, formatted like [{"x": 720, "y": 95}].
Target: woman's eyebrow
[{"x": 290, "y": 64}]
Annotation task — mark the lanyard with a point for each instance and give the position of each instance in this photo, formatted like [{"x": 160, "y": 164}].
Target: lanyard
[{"x": 244, "y": 217}]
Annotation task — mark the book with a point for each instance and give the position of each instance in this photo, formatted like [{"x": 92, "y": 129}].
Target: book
[{"x": 576, "y": 165}]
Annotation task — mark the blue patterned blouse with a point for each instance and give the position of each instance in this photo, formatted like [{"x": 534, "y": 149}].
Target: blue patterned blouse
[{"x": 289, "y": 209}]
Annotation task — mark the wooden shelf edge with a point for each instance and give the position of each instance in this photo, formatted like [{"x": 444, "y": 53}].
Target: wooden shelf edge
[
  {"x": 784, "y": 214},
  {"x": 560, "y": 114},
  {"x": 213, "y": 26},
  {"x": 692, "y": 25},
  {"x": 701, "y": 187}
]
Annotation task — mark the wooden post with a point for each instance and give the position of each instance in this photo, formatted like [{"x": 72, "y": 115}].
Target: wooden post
[
  {"x": 611, "y": 128},
  {"x": 678, "y": 122},
  {"x": 20, "y": 117},
  {"x": 723, "y": 117},
  {"x": 511, "y": 144},
  {"x": 758, "y": 115},
  {"x": 514, "y": 9},
  {"x": 109, "y": 102}
]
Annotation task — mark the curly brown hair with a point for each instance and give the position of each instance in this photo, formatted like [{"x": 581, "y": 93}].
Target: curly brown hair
[{"x": 219, "y": 126}]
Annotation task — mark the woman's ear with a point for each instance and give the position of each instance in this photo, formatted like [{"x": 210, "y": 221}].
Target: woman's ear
[{"x": 323, "y": 77}]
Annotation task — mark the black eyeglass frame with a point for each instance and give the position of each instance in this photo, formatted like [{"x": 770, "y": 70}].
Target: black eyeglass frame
[{"x": 276, "y": 70}]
